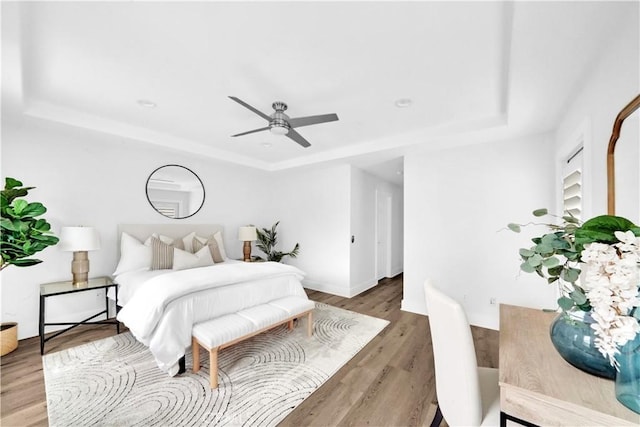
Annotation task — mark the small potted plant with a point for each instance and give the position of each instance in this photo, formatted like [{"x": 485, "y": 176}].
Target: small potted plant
[
  {"x": 23, "y": 235},
  {"x": 267, "y": 241}
]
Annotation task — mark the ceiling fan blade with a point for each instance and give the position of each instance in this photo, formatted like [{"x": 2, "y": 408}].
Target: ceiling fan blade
[
  {"x": 251, "y": 131},
  {"x": 298, "y": 138},
  {"x": 312, "y": 120},
  {"x": 244, "y": 104}
]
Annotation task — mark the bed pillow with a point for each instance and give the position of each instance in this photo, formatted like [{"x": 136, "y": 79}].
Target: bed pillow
[
  {"x": 161, "y": 254},
  {"x": 188, "y": 243},
  {"x": 200, "y": 242},
  {"x": 176, "y": 243},
  {"x": 218, "y": 237},
  {"x": 134, "y": 255},
  {"x": 183, "y": 259}
]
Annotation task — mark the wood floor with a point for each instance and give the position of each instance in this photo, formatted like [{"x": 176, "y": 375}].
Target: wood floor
[{"x": 389, "y": 383}]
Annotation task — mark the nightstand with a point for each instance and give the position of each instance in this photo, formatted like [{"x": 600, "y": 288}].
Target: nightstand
[{"x": 67, "y": 287}]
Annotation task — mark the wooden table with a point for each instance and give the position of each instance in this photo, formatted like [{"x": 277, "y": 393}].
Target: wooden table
[{"x": 539, "y": 386}]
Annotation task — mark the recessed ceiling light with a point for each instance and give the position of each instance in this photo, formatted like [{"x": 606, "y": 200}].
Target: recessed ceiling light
[
  {"x": 146, "y": 103},
  {"x": 403, "y": 102},
  {"x": 266, "y": 144}
]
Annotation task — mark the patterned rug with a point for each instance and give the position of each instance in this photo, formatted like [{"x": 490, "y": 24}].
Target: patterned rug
[{"x": 115, "y": 381}]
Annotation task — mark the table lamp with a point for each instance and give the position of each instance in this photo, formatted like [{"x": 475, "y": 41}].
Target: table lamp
[
  {"x": 79, "y": 240},
  {"x": 247, "y": 234}
]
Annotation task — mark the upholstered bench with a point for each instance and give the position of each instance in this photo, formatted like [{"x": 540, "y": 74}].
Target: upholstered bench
[{"x": 224, "y": 331}]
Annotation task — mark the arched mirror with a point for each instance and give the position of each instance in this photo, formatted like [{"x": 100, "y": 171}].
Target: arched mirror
[
  {"x": 175, "y": 191},
  {"x": 623, "y": 174}
]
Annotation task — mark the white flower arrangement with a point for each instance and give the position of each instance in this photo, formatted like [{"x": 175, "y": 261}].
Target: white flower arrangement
[{"x": 603, "y": 254}]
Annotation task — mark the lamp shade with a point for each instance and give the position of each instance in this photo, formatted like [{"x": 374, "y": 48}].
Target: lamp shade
[
  {"x": 77, "y": 239},
  {"x": 247, "y": 234}
]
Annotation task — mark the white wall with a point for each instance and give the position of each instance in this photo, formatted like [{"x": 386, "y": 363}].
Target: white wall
[
  {"x": 613, "y": 82},
  {"x": 93, "y": 179},
  {"x": 312, "y": 205},
  {"x": 364, "y": 187},
  {"x": 457, "y": 205}
]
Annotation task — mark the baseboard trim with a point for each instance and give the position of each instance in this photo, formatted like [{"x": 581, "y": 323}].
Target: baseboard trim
[{"x": 327, "y": 289}]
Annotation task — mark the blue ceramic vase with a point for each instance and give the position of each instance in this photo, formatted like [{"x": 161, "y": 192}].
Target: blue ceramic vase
[
  {"x": 574, "y": 339},
  {"x": 628, "y": 378}
]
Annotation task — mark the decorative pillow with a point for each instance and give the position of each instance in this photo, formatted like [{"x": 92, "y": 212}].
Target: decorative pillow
[
  {"x": 199, "y": 243},
  {"x": 218, "y": 237},
  {"x": 134, "y": 255},
  {"x": 187, "y": 242},
  {"x": 161, "y": 254},
  {"x": 176, "y": 243},
  {"x": 183, "y": 259}
]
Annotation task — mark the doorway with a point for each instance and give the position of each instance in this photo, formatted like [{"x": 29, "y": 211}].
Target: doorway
[{"x": 383, "y": 234}]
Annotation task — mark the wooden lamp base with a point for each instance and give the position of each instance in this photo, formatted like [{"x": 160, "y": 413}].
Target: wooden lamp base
[{"x": 246, "y": 251}]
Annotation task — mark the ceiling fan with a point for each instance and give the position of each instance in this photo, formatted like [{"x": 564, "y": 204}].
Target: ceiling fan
[{"x": 281, "y": 124}]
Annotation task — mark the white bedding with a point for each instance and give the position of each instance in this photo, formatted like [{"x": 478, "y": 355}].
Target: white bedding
[{"x": 160, "y": 309}]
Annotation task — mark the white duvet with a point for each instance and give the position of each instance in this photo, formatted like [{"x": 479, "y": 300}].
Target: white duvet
[{"x": 164, "y": 307}]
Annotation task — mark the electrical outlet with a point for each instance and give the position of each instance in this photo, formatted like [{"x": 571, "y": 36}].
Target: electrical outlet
[{"x": 492, "y": 301}]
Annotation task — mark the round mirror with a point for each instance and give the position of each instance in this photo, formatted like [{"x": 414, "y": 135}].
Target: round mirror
[{"x": 175, "y": 191}]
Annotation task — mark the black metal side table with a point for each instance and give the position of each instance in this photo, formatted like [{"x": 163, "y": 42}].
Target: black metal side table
[{"x": 67, "y": 287}]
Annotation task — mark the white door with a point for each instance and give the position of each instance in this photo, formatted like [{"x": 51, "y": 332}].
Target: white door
[{"x": 383, "y": 231}]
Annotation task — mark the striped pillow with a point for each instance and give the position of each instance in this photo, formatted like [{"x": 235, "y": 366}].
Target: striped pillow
[
  {"x": 161, "y": 255},
  {"x": 199, "y": 243}
]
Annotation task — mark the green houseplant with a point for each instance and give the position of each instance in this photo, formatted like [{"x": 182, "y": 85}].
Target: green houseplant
[
  {"x": 267, "y": 241},
  {"x": 23, "y": 233}
]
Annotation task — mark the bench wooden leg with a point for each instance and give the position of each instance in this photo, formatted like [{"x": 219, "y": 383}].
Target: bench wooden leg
[
  {"x": 290, "y": 324},
  {"x": 213, "y": 367},
  {"x": 310, "y": 323},
  {"x": 195, "y": 349}
]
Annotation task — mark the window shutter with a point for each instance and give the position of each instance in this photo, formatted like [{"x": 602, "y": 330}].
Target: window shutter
[{"x": 572, "y": 185}]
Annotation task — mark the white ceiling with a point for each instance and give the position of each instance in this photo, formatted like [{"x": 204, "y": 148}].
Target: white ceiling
[{"x": 485, "y": 69}]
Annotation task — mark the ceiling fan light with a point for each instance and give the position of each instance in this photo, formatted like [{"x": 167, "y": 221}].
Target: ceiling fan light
[{"x": 278, "y": 130}]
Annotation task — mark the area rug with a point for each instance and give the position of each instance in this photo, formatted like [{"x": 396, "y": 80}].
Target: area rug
[{"x": 115, "y": 381}]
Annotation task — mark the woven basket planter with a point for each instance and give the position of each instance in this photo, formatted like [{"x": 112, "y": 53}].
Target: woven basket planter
[{"x": 8, "y": 337}]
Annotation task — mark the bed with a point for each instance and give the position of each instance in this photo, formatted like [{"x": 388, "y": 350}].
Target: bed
[{"x": 160, "y": 306}]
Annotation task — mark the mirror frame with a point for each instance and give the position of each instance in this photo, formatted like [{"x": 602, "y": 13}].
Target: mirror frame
[
  {"x": 146, "y": 189},
  {"x": 611, "y": 169}
]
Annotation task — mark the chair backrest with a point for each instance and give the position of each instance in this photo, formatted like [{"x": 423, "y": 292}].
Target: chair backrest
[{"x": 454, "y": 355}]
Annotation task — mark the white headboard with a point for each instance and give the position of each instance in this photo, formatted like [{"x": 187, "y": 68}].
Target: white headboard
[{"x": 142, "y": 231}]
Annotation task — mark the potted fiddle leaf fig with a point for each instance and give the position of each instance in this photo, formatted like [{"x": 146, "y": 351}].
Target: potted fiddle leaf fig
[
  {"x": 23, "y": 235},
  {"x": 267, "y": 241}
]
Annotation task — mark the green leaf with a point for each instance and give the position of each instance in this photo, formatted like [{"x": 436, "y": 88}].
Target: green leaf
[
  {"x": 550, "y": 280},
  {"x": 526, "y": 253},
  {"x": 527, "y": 268},
  {"x": 544, "y": 249},
  {"x": 514, "y": 227},
  {"x": 578, "y": 296},
  {"x": 602, "y": 229},
  {"x": 570, "y": 274},
  {"x": 540, "y": 212},
  {"x": 565, "y": 303},
  {"x": 10, "y": 183},
  {"x": 535, "y": 260},
  {"x": 555, "y": 271},
  {"x": 34, "y": 209},
  {"x": 550, "y": 262},
  {"x": 25, "y": 262},
  {"x": 19, "y": 206}
]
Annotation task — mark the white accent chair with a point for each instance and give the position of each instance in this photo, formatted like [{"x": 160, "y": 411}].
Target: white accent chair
[{"x": 467, "y": 394}]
